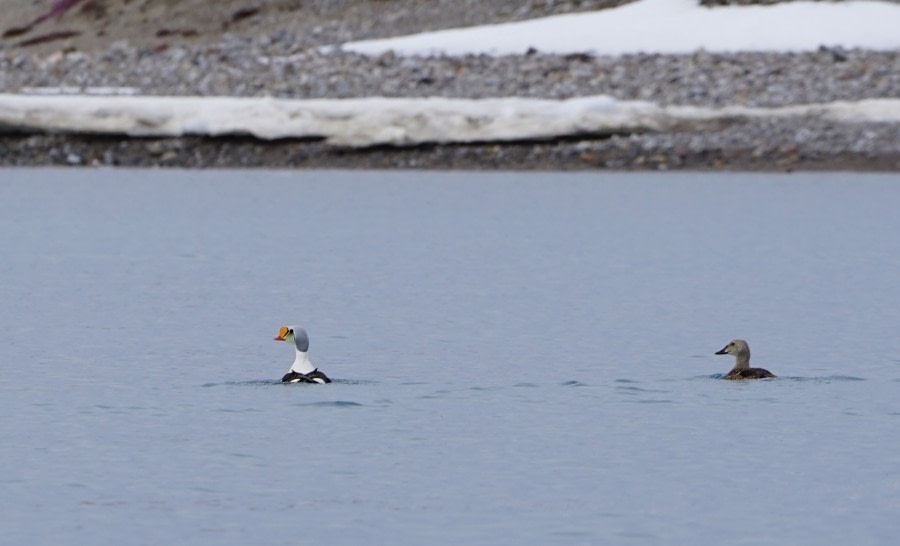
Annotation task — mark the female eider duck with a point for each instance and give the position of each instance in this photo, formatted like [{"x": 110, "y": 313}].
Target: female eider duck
[
  {"x": 302, "y": 371},
  {"x": 742, "y": 369}
]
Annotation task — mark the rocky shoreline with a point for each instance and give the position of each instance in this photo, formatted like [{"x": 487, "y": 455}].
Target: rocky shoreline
[
  {"x": 757, "y": 146},
  {"x": 288, "y": 63}
]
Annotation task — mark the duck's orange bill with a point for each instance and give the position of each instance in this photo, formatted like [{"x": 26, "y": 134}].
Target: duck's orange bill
[{"x": 281, "y": 333}]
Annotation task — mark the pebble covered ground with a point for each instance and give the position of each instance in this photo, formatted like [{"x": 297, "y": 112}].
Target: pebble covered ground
[{"x": 291, "y": 63}]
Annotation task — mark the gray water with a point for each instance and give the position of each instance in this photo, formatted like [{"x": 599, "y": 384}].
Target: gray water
[{"x": 518, "y": 358}]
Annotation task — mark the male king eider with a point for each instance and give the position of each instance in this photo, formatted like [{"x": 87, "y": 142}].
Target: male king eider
[
  {"x": 302, "y": 371},
  {"x": 742, "y": 369}
]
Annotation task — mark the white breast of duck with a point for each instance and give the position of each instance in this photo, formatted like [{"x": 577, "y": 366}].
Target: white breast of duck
[{"x": 302, "y": 370}]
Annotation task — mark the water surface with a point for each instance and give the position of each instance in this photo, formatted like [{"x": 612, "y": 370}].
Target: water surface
[{"x": 518, "y": 358}]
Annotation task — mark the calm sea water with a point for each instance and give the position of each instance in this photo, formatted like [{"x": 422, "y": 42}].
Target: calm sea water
[{"x": 519, "y": 358}]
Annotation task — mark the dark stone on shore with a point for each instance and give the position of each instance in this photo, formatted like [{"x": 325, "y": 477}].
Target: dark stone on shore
[{"x": 760, "y": 145}]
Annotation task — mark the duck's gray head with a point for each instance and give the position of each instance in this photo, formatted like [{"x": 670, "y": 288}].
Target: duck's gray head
[
  {"x": 736, "y": 347},
  {"x": 295, "y": 335}
]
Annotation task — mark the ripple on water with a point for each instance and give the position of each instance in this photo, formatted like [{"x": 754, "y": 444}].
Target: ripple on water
[
  {"x": 355, "y": 381},
  {"x": 252, "y": 383},
  {"x": 336, "y": 382},
  {"x": 825, "y": 379},
  {"x": 637, "y": 390},
  {"x": 440, "y": 393},
  {"x": 331, "y": 404},
  {"x": 722, "y": 376},
  {"x": 269, "y": 382},
  {"x": 628, "y": 388}
]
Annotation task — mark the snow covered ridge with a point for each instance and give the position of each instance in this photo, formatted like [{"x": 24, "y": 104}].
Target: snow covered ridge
[
  {"x": 389, "y": 121},
  {"x": 668, "y": 26}
]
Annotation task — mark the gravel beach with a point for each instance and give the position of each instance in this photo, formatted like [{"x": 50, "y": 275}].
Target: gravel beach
[{"x": 279, "y": 52}]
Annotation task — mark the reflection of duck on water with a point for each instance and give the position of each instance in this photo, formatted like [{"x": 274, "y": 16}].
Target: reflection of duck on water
[
  {"x": 302, "y": 371},
  {"x": 742, "y": 369}
]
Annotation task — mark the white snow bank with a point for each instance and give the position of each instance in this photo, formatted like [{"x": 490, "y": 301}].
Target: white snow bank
[
  {"x": 668, "y": 26},
  {"x": 398, "y": 122}
]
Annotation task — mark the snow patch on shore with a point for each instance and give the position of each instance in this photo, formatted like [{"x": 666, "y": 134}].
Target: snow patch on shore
[
  {"x": 667, "y": 26},
  {"x": 391, "y": 121}
]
